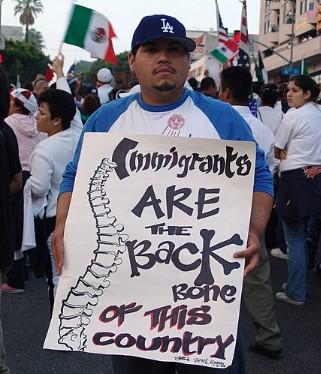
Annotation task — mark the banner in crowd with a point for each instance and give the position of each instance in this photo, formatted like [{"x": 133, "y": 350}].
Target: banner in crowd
[{"x": 149, "y": 241}]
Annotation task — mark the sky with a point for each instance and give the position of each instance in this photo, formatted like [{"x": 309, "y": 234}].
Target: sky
[{"x": 124, "y": 15}]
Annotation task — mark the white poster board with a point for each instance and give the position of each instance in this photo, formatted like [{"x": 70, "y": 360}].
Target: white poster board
[{"x": 149, "y": 241}]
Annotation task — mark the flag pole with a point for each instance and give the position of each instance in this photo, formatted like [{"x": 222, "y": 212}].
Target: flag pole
[
  {"x": 218, "y": 31},
  {"x": 217, "y": 19},
  {"x": 69, "y": 18}
]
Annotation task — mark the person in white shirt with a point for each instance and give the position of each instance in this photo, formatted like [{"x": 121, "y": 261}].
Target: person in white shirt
[
  {"x": 58, "y": 118},
  {"x": 269, "y": 113},
  {"x": 237, "y": 94},
  {"x": 103, "y": 84},
  {"x": 236, "y": 88},
  {"x": 298, "y": 147}
]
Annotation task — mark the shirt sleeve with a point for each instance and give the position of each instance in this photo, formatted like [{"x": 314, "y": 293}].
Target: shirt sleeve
[
  {"x": 76, "y": 123},
  {"x": 69, "y": 175},
  {"x": 41, "y": 170},
  {"x": 263, "y": 178},
  {"x": 284, "y": 132}
]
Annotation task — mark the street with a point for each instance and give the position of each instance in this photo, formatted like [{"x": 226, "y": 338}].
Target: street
[{"x": 25, "y": 320}]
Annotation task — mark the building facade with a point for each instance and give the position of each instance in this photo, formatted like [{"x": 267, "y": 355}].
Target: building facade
[
  {"x": 289, "y": 35},
  {"x": 12, "y": 32}
]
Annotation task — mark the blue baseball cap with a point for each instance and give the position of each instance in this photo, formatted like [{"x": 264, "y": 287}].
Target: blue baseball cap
[{"x": 161, "y": 26}]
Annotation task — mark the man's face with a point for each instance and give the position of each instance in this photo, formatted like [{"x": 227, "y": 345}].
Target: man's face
[
  {"x": 44, "y": 121},
  {"x": 13, "y": 107},
  {"x": 161, "y": 67}
]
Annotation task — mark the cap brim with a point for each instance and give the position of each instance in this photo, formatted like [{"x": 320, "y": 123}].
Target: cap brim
[{"x": 187, "y": 43}]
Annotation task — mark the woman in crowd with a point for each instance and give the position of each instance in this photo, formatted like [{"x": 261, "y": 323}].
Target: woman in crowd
[
  {"x": 58, "y": 118},
  {"x": 23, "y": 106},
  {"x": 298, "y": 147},
  {"x": 89, "y": 105}
]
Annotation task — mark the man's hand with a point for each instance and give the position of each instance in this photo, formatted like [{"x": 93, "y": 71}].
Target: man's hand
[
  {"x": 58, "y": 64},
  {"x": 16, "y": 183},
  {"x": 260, "y": 214},
  {"x": 280, "y": 154},
  {"x": 251, "y": 254}
]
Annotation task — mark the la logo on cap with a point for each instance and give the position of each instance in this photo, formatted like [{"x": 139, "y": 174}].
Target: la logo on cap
[{"x": 166, "y": 26}]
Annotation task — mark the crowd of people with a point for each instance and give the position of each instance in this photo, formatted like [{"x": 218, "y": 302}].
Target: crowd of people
[{"x": 41, "y": 125}]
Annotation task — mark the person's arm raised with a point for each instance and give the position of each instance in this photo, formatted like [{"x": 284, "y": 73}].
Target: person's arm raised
[{"x": 58, "y": 234}]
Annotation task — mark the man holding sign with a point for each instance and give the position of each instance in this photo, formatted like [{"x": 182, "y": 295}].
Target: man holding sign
[{"x": 160, "y": 58}]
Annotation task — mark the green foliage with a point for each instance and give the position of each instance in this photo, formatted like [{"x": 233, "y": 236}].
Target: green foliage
[
  {"x": 23, "y": 59},
  {"x": 36, "y": 39},
  {"x": 91, "y": 72}
]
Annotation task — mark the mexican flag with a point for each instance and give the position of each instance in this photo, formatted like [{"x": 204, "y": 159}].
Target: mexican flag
[
  {"x": 225, "y": 51},
  {"x": 91, "y": 31}
]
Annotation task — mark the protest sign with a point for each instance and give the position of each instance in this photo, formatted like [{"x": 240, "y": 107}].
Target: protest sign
[{"x": 149, "y": 241}]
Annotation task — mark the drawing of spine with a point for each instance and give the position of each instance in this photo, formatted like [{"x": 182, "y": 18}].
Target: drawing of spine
[{"x": 77, "y": 307}]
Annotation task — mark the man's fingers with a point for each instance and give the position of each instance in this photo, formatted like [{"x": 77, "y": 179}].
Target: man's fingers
[{"x": 251, "y": 256}]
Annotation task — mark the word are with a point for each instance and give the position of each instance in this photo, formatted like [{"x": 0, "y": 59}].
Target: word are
[{"x": 174, "y": 198}]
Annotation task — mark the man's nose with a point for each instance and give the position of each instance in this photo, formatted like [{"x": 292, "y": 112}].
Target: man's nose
[{"x": 163, "y": 54}]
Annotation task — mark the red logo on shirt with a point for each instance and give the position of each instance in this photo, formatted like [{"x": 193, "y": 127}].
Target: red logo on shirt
[{"x": 176, "y": 122}]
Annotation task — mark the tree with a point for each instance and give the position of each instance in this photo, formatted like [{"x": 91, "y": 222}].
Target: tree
[
  {"x": 120, "y": 71},
  {"x": 28, "y": 10},
  {"x": 36, "y": 39},
  {"x": 23, "y": 59}
]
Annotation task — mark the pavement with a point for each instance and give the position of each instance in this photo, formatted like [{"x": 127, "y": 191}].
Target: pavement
[{"x": 25, "y": 320}]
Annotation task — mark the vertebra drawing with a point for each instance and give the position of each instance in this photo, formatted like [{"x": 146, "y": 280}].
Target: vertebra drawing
[{"x": 77, "y": 307}]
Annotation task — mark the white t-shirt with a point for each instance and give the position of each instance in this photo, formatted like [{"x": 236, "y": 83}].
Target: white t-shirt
[
  {"x": 103, "y": 93},
  {"x": 261, "y": 133},
  {"x": 300, "y": 134},
  {"x": 271, "y": 117}
]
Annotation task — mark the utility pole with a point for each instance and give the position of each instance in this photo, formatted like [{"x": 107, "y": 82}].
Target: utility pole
[
  {"x": 293, "y": 16},
  {"x": 2, "y": 41},
  {"x": 0, "y": 14}
]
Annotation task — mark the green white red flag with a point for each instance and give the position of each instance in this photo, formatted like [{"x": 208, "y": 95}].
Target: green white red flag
[
  {"x": 226, "y": 48},
  {"x": 91, "y": 31},
  {"x": 225, "y": 51}
]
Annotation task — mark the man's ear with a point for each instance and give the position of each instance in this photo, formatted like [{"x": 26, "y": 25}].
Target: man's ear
[
  {"x": 131, "y": 61},
  {"x": 225, "y": 95},
  {"x": 307, "y": 95},
  {"x": 57, "y": 122}
]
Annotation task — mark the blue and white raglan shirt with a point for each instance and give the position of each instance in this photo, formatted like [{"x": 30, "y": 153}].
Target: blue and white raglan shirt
[{"x": 192, "y": 115}]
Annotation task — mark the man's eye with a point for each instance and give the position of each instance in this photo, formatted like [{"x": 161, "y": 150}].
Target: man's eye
[
  {"x": 150, "y": 49},
  {"x": 176, "y": 49}
]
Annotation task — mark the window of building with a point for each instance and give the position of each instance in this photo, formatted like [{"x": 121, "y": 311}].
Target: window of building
[
  {"x": 288, "y": 11},
  {"x": 303, "y": 6},
  {"x": 267, "y": 24}
]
